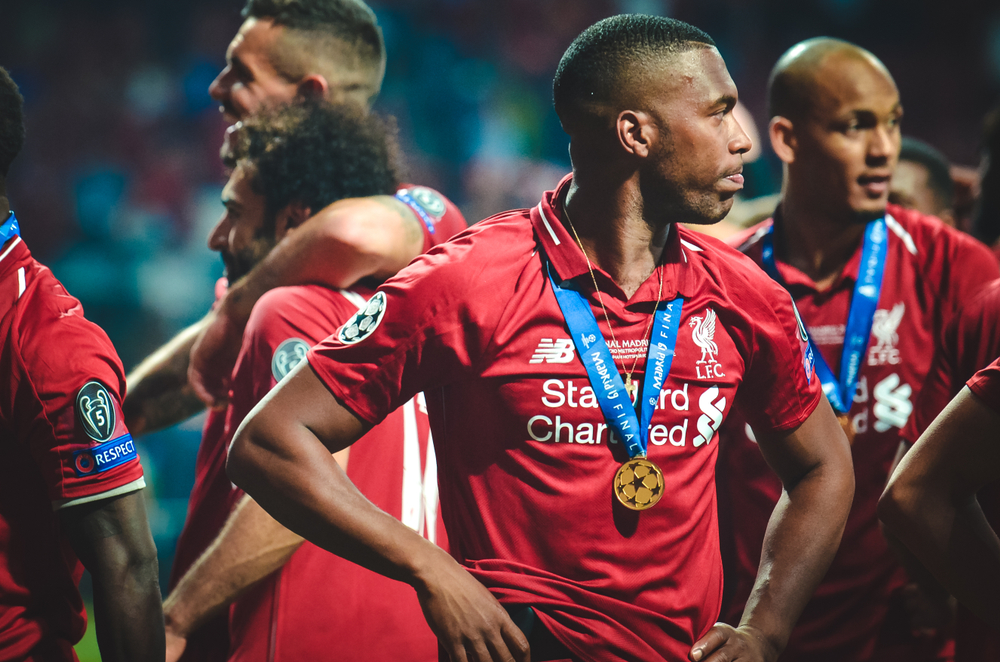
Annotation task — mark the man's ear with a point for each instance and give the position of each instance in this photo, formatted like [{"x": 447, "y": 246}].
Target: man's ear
[
  {"x": 783, "y": 140},
  {"x": 313, "y": 86},
  {"x": 292, "y": 216},
  {"x": 636, "y": 132}
]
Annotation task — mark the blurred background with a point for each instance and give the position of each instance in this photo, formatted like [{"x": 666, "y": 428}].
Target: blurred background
[{"x": 119, "y": 180}]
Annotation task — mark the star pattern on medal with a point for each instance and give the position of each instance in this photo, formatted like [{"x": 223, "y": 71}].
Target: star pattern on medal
[{"x": 639, "y": 484}]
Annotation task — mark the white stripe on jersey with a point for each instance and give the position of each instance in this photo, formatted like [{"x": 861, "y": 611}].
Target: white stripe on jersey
[
  {"x": 900, "y": 232},
  {"x": 411, "y": 514},
  {"x": 541, "y": 210},
  {"x": 20, "y": 282},
  {"x": 10, "y": 248},
  {"x": 354, "y": 298}
]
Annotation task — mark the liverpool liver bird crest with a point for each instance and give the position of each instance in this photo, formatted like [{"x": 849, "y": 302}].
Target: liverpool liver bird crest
[{"x": 703, "y": 334}]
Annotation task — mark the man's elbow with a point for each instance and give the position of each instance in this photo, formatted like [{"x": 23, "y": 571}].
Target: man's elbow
[
  {"x": 897, "y": 506},
  {"x": 242, "y": 464}
]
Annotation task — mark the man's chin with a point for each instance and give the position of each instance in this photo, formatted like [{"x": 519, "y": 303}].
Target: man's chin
[{"x": 866, "y": 215}]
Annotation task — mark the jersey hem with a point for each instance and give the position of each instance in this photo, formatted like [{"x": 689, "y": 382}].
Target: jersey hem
[{"x": 134, "y": 486}]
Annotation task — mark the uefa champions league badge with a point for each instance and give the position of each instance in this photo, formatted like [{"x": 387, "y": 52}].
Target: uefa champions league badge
[
  {"x": 289, "y": 354},
  {"x": 364, "y": 322},
  {"x": 96, "y": 411}
]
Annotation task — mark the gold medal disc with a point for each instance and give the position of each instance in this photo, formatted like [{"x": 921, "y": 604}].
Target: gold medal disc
[
  {"x": 845, "y": 422},
  {"x": 638, "y": 484}
]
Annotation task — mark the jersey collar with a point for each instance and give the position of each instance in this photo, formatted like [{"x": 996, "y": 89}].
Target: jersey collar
[
  {"x": 793, "y": 277},
  {"x": 555, "y": 239}
]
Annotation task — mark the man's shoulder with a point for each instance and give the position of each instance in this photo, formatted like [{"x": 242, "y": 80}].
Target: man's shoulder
[
  {"x": 440, "y": 217},
  {"x": 921, "y": 234},
  {"x": 745, "y": 241},
  {"x": 722, "y": 260},
  {"x": 490, "y": 248},
  {"x": 311, "y": 308}
]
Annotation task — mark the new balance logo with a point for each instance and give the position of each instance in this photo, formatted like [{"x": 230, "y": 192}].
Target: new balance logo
[{"x": 559, "y": 350}]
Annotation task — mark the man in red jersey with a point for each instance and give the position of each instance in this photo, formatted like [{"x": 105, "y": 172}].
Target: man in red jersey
[
  {"x": 971, "y": 342},
  {"x": 284, "y": 51},
  {"x": 70, "y": 478},
  {"x": 874, "y": 285},
  {"x": 284, "y": 165},
  {"x": 930, "y": 502},
  {"x": 601, "y": 546}
]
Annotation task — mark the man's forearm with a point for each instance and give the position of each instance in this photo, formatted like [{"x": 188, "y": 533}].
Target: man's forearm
[
  {"x": 250, "y": 547},
  {"x": 801, "y": 540},
  {"x": 349, "y": 240},
  {"x": 159, "y": 394}
]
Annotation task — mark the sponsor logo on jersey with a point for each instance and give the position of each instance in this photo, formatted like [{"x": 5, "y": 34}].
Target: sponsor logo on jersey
[
  {"x": 892, "y": 403},
  {"x": 102, "y": 457},
  {"x": 96, "y": 410},
  {"x": 364, "y": 322},
  {"x": 570, "y": 414},
  {"x": 712, "y": 413},
  {"x": 559, "y": 350},
  {"x": 884, "y": 326},
  {"x": 703, "y": 335},
  {"x": 288, "y": 355}
]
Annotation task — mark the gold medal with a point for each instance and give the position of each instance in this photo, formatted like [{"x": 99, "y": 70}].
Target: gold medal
[
  {"x": 638, "y": 484},
  {"x": 845, "y": 422}
]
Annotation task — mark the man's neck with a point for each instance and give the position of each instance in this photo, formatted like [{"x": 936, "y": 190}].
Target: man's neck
[
  {"x": 4, "y": 204},
  {"x": 814, "y": 243},
  {"x": 615, "y": 235}
]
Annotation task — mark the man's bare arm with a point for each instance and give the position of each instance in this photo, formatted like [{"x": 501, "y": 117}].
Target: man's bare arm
[
  {"x": 281, "y": 457},
  {"x": 112, "y": 539},
  {"x": 250, "y": 547},
  {"x": 159, "y": 393},
  {"x": 930, "y": 503},
  {"x": 803, "y": 534},
  {"x": 346, "y": 241}
]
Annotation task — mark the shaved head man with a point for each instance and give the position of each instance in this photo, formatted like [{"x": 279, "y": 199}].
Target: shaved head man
[{"x": 875, "y": 284}]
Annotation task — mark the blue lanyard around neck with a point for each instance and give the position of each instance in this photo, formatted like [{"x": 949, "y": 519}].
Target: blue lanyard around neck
[
  {"x": 9, "y": 229},
  {"x": 603, "y": 373},
  {"x": 867, "y": 289}
]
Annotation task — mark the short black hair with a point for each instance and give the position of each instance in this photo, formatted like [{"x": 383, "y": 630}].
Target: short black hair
[
  {"x": 314, "y": 153},
  {"x": 350, "y": 21},
  {"x": 597, "y": 65},
  {"x": 11, "y": 121},
  {"x": 938, "y": 168}
]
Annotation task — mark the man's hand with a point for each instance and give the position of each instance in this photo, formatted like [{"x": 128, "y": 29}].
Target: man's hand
[
  {"x": 724, "y": 643},
  {"x": 468, "y": 621},
  {"x": 213, "y": 357},
  {"x": 175, "y": 645}
]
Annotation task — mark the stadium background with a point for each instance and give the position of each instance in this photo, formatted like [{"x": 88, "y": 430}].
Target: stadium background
[{"x": 119, "y": 180}]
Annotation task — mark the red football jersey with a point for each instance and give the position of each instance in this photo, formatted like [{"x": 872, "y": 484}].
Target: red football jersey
[
  {"x": 288, "y": 616},
  {"x": 971, "y": 342},
  {"x": 525, "y": 459},
  {"x": 213, "y": 495},
  {"x": 930, "y": 269},
  {"x": 65, "y": 443},
  {"x": 986, "y": 385}
]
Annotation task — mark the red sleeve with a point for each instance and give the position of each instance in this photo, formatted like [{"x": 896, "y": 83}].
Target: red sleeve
[
  {"x": 780, "y": 389},
  {"x": 970, "y": 342},
  {"x": 422, "y": 329},
  {"x": 440, "y": 219},
  {"x": 986, "y": 385},
  {"x": 70, "y": 388},
  {"x": 284, "y": 324}
]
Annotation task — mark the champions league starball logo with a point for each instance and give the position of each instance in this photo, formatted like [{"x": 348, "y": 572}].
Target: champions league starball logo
[
  {"x": 96, "y": 411},
  {"x": 288, "y": 355},
  {"x": 364, "y": 322}
]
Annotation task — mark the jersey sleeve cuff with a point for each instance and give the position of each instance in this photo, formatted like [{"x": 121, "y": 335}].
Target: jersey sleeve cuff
[{"x": 134, "y": 486}]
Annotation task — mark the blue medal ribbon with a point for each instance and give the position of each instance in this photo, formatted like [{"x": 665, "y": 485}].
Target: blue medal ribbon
[
  {"x": 10, "y": 228},
  {"x": 603, "y": 373},
  {"x": 867, "y": 289}
]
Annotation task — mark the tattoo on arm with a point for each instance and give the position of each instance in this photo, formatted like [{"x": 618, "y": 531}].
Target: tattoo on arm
[{"x": 412, "y": 227}]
